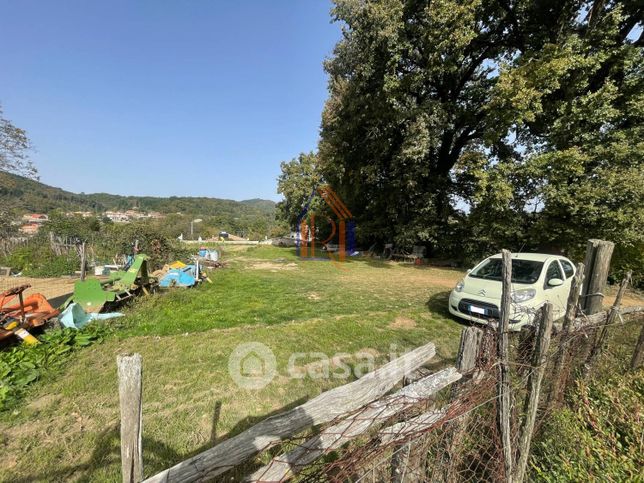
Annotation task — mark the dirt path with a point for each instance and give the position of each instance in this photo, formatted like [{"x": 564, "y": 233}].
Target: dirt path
[{"x": 49, "y": 287}]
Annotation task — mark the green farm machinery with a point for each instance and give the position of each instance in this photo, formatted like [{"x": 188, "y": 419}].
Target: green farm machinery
[{"x": 93, "y": 294}]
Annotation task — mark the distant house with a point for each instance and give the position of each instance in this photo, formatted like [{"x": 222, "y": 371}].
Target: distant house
[
  {"x": 30, "y": 228},
  {"x": 117, "y": 216},
  {"x": 84, "y": 214},
  {"x": 35, "y": 218},
  {"x": 134, "y": 214}
]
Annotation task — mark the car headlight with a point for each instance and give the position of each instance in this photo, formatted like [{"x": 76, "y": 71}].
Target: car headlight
[
  {"x": 459, "y": 286},
  {"x": 519, "y": 296}
]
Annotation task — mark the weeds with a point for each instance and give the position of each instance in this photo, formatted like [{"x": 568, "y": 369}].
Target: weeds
[
  {"x": 598, "y": 437},
  {"x": 24, "y": 364}
]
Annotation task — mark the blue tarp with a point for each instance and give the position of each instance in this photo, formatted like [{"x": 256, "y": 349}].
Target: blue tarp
[{"x": 74, "y": 317}]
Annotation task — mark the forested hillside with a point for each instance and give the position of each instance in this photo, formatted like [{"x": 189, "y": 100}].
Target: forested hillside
[{"x": 19, "y": 194}]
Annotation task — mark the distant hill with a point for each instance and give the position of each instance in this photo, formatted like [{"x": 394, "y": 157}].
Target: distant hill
[{"x": 22, "y": 195}]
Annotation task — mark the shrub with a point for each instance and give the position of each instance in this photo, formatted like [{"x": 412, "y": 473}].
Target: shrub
[
  {"x": 55, "y": 266},
  {"x": 22, "y": 365},
  {"x": 37, "y": 260},
  {"x": 598, "y": 436},
  {"x": 625, "y": 259},
  {"x": 119, "y": 239}
]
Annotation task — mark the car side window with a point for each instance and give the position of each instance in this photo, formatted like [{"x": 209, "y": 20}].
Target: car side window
[
  {"x": 568, "y": 268},
  {"x": 554, "y": 271}
]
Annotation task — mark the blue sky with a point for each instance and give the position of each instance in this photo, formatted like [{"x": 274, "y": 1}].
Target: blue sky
[{"x": 176, "y": 97}]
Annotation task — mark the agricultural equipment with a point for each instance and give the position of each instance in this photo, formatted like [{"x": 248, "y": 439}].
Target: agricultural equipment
[
  {"x": 208, "y": 258},
  {"x": 93, "y": 294},
  {"x": 208, "y": 254},
  {"x": 17, "y": 316},
  {"x": 186, "y": 276}
]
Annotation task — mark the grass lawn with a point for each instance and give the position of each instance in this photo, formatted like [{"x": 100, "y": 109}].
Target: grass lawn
[{"x": 68, "y": 426}]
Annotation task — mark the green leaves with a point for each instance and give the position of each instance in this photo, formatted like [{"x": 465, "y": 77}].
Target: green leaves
[
  {"x": 478, "y": 125},
  {"x": 598, "y": 437},
  {"x": 22, "y": 365},
  {"x": 14, "y": 146},
  {"x": 298, "y": 179}
]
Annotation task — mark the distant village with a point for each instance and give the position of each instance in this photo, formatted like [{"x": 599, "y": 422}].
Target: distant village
[{"x": 31, "y": 222}]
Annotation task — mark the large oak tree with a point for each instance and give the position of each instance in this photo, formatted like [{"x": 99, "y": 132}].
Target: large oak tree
[{"x": 524, "y": 111}]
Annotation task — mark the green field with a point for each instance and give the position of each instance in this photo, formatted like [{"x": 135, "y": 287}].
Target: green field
[{"x": 68, "y": 425}]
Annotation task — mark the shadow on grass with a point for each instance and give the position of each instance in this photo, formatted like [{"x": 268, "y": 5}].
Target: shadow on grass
[
  {"x": 438, "y": 304},
  {"x": 157, "y": 455},
  {"x": 106, "y": 452},
  {"x": 374, "y": 262},
  {"x": 252, "y": 464}
]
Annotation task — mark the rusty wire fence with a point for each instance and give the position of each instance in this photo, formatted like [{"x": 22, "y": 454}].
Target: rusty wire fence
[{"x": 454, "y": 435}]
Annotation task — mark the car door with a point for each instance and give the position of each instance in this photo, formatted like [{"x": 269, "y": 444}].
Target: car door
[{"x": 558, "y": 295}]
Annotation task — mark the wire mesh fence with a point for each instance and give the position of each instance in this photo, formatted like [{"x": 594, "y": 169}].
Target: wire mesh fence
[
  {"x": 454, "y": 436},
  {"x": 50, "y": 288}
]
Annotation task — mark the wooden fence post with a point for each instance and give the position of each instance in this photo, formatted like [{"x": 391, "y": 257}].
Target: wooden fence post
[
  {"x": 600, "y": 340},
  {"x": 400, "y": 462},
  {"x": 469, "y": 353},
  {"x": 561, "y": 358},
  {"x": 130, "y": 395},
  {"x": 539, "y": 361},
  {"x": 638, "y": 355},
  {"x": 504, "y": 389},
  {"x": 83, "y": 258},
  {"x": 598, "y": 255}
]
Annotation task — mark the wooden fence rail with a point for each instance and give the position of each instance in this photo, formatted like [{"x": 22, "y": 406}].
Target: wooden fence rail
[
  {"x": 322, "y": 409},
  {"x": 283, "y": 466}
]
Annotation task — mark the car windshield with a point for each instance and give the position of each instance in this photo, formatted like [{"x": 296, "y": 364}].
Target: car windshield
[{"x": 523, "y": 271}]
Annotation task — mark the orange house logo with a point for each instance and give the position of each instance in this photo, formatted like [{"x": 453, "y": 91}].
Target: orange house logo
[{"x": 343, "y": 227}]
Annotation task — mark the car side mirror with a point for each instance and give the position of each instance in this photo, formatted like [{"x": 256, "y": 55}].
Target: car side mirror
[
  {"x": 468, "y": 270},
  {"x": 555, "y": 282}
]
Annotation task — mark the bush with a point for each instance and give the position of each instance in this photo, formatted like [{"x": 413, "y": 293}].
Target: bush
[
  {"x": 625, "y": 259},
  {"x": 119, "y": 239},
  {"x": 22, "y": 365},
  {"x": 105, "y": 240},
  {"x": 55, "y": 266},
  {"x": 596, "y": 438},
  {"x": 37, "y": 260}
]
